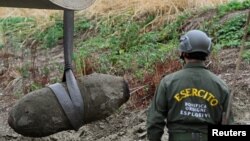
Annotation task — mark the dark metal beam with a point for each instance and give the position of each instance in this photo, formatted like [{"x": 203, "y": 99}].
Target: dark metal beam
[{"x": 48, "y": 4}]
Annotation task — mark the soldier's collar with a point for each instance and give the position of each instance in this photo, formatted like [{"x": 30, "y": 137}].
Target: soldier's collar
[{"x": 194, "y": 65}]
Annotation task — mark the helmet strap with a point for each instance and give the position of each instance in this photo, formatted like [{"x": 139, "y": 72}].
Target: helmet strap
[{"x": 182, "y": 58}]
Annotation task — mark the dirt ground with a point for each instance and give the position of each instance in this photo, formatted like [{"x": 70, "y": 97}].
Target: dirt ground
[{"x": 129, "y": 125}]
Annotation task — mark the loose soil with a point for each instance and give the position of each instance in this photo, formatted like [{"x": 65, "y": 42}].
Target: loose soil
[
  {"x": 126, "y": 124},
  {"x": 129, "y": 125}
]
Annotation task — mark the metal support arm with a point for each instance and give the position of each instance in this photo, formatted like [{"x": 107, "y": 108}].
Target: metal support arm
[{"x": 48, "y": 4}]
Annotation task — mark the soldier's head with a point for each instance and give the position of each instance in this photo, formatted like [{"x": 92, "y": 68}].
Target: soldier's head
[{"x": 195, "y": 44}]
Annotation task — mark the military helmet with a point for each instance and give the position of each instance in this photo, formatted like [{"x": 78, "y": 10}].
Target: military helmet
[{"x": 195, "y": 41}]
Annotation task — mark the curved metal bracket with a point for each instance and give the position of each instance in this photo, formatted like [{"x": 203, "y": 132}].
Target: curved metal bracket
[
  {"x": 73, "y": 4},
  {"x": 48, "y": 4}
]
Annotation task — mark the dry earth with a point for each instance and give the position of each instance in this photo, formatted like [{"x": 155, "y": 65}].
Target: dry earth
[
  {"x": 125, "y": 124},
  {"x": 129, "y": 125}
]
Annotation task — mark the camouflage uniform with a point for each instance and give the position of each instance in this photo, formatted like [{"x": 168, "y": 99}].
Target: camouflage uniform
[{"x": 189, "y": 100}]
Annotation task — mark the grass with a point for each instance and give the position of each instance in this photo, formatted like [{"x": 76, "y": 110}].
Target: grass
[
  {"x": 232, "y": 6},
  {"x": 123, "y": 38},
  {"x": 246, "y": 55},
  {"x": 231, "y": 33},
  {"x": 41, "y": 15},
  {"x": 121, "y": 45},
  {"x": 159, "y": 7}
]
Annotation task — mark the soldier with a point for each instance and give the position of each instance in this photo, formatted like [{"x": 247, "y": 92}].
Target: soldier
[{"x": 188, "y": 100}]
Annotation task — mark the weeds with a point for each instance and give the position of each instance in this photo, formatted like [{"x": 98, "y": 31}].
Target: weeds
[
  {"x": 50, "y": 35},
  {"x": 246, "y": 55},
  {"x": 230, "y": 33},
  {"x": 129, "y": 42},
  {"x": 19, "y": 36},
  {"x": 233, "y": 6},
  {"x": 227, "y": 31},
  {"x": 15, "y": 30}
]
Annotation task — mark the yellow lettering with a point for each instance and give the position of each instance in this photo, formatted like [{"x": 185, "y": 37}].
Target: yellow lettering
[
  {"x": 188, "y": 92},
  {"x": 214, "y": 102},
  {"x": 183, "y": 93},
  {"x": 194, "y": 92},
  {"x": 209, "y": 97},
  {"x": 206, "y": 94},
  {"x": 177, "y": 97},
  {"x": 200, "y": 94}
]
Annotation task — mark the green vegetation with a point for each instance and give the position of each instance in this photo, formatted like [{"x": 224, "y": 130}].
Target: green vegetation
[
  {"x": 49, "y": 36},
  {"x": 233, "y": 6},
  {"x": 19, "y": 31},
  {"x": 231, "y": 32},
  {"x": 120, "y": 44},
  {"x": 228, "y": 30},
  {"x": 246, "y": 55},
  {"x": 15, "y": 30}
]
